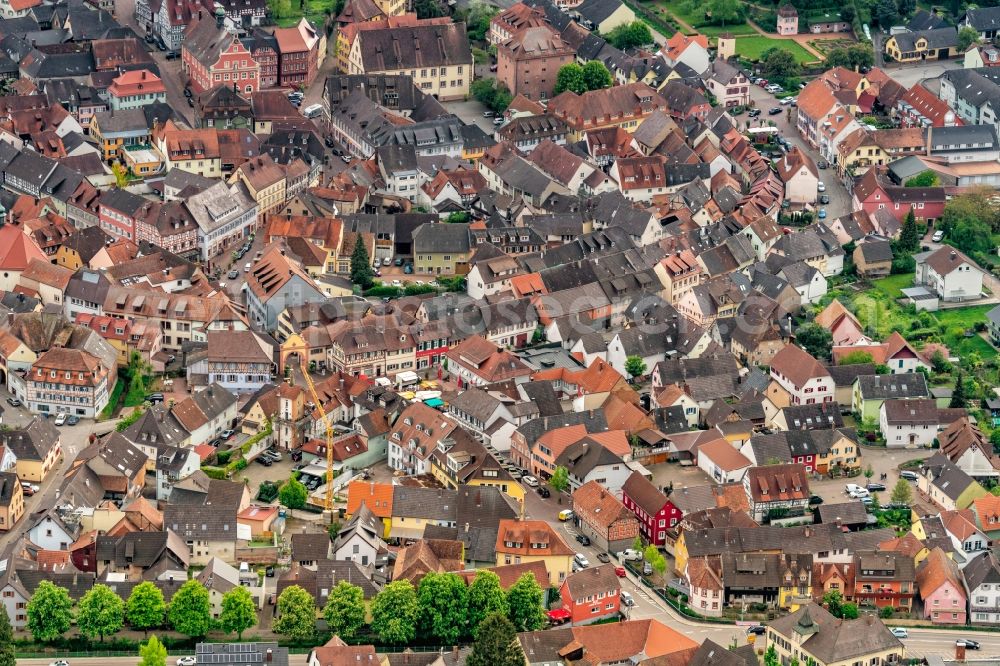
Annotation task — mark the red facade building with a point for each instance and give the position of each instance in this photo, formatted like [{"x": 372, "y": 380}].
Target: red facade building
[
  {"x": 655, "y": 511},
  {"x": 211, "y": 56},
  {"x": 874, "y": 193},
  {"x": 298, "y": 55},
  {"x": 591, "y": 594},
  {"x": 264, "y": 49}
]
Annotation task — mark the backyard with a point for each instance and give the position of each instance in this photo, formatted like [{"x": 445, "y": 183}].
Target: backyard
[
  {"x": 754, "y": 47},
  {"x": 287, "y": 13}
]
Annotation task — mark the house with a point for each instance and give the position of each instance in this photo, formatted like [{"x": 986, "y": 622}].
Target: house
[
  {"x": 942, "y": 589},
  {"x": 623, "y": 106},
  {"x": 212, "y": 56},
  {"x": 527, "y": 62},
  {"x": 360, "y": 539},
  {"x": 298, "y": 54},
  {"x": 414, "y": 436},
  {"x": 239, "y": 361},
  {"x": 438, "y": 57},
  {"x": 83, "y": 382},
  {"x": 798, "y": 172},
  {"x": 782, "y": 488},
  {"x": 922, "y": 45},
  {"x": 586, "y": 460},
  {"x": 524, "y": 541},
  {"x": 909, "y": 423},
  {"x": 802, "y": 376},
  {"x": 218, "y": 578},
  {"x": 137, "y": 554},
  {"x": 11, "y": 500},
  {"x": 950, "y": 274},
  {"x": 204, "y": 516},
  {"x": 655, "y": 511},
  {"x": 242, "y": 654},
  {"x": 275, "y": 283},
  {"x": 689, "y": 50},
  {"x": 603, "y": 16},
  {"x": 947, "y": 485},
  {"x": 604, "y": 518},
  {"x": 441, "y": 249},
  {"x": 722, "y": 461},
  {"x": 133, "y": 89},
  {"x": 966, "y": 446},
  {"x": 310, "y": 548},
  {"x": 982, "y": 585},
  {"x": 788, "y": 20},
  {"x": 728, "y": 84},
  {"x": 818, "y": 637},
  {"x": 985, "y": 21},
  {"x": 870, "y": 391},
  {"x": 591, "y": 594},
  {"x": 477, "y": 362},
  {"x": 873, "y": 258},
  {"x": 884, "y": 579},
  {"x": 919, "y": 107}
]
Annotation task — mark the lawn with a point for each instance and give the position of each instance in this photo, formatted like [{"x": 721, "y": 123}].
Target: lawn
[
  {"x": 891, "y": 286},
  {"x": 753, "y": 48},
  {"x": 287, "y": 13},
  {"x": 713, "y": 31}
]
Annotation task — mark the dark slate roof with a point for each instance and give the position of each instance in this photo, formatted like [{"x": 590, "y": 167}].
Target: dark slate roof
[
  {"x": 938, "y": 38},
  {"x": 415, "y": 47},
  {"x": 925, "y": 20},
  {"x": 439, "y": 238},
  {"x": 885, "y": 387},
  {"x": 984, "y": 19},
  {"x": 876, "y": 251},
  {"x": 597, "y": 11}
]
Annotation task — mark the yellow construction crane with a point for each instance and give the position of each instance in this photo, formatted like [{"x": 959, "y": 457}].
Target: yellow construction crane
[{"x": 328, "y": 502}]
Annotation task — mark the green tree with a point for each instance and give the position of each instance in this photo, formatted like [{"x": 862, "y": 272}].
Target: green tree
[
  {"x": 345, "y": 610},
  {"x": 849, "y": 611},
  {"x": 834, "y": 602},
  {"x": 153, "y": 653},
  {"x": 901, "y": 493},
  {"x": 926, "y": 178},
  {"x": 570, "y": 77},
  {"x": 886, "y": 14},
  {"x": 779, "y": 65},
  {"x": 886, "y": 612},
  {"x": 559, "y": 481},
  {"x": 296, "y": 614},
  {"x": 293, "y": 494},
  {"x": 478, "y": 21},
  {"x": 815, "y": 339},
  {"x": 958, "y": 397},
  {"x": 145, "y": 608},
  {"x": 596, "y": 76},
  {"x": 121, "y": 175},
  {"x": 494, "y": 97},
  {"x": 190, "y": 611},
  {"x": 486, "y": 597},
  {"x": 906, "y": 7},
  {"x": 444, "y": 603},
  {"x": 524, "y": 599},
  {"x": 395, "y": 612},
  {"x": 635, "y": 366},
  {"x": 496, "y": 644},
  {"x": 50, "y": 612},
  {"x": 725, "y": 12},
  {"x": 869, "y": 473},
  {"x": 967, "y": 36},
  {"x": 100, "y": 612},
  {"x": 655, "y": 558},
  {"x": 429, "y": 9},
  {"x": 239, "y": 612},
  {"x": 909, "y": 236},
  {"x": 8, "y": 657},
  {"x": 362, "y": 273},
  {"x": 629, "y": 35},
  {"x": 855, "y": 357}
]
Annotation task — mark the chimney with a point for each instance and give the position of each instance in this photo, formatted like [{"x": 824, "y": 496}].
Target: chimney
[{"x": 930, "y": 131}]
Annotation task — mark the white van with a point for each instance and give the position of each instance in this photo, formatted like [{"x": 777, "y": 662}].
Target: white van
[
  {"x": 246, "y": 269},
  {"x": 312, "y": 110},
  {"x": 627, "y": 599}
]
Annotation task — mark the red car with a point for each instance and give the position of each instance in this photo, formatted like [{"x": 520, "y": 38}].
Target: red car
[{"x": 620, "y": 572}]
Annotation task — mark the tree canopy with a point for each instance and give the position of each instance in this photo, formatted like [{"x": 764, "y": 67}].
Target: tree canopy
[
  {"x": 190, "y": 611},
  {"x": 486, "y": 597},
  {"x": 362, "y": 273},
  {"x": 153, "y": 653},
  {"x": 967, "y": 36},
  {"x": 815, "y": 339},
  {"x": 345, "y": 610},
  {"x": 297, "y": 614},
  {"x": 443, "y": 600},
  {"x": 629, "y": 35},
  {"x": 100, "y": 612},
  {"x": 50, "y": 612},
  {"x": 524, "y": 599},
  {"x": 395, "y": 612},
  {"x": 239, "y": 612},
  {"x": 145, "y": 608},
  {"x": 496, "y": 644},
  {"x": 293, "y": 494},
  {"x": 8, "y": 656},
  {"x": 902, "y": 493},
  {"x": 856, "y": 56},
  {"x": 779, "y": 64},
  {"x": 635, "y": 366}
]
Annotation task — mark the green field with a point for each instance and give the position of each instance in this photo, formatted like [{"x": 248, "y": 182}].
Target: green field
[
  {"x": 753, "y": 48},
  {"x": 287, "y": 13},
  {"x": 891, "y": 286},
  {"x": 713, "y": 31}
]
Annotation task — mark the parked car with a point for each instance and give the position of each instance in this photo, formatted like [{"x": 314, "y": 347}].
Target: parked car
[
  {"x": 630, "y": 554},
  {"x": 824, "y": 198},
  {"x": 565, "y": 515},
  {"x": 647, "y": 569},
  {"x": 188, "y": 93},
  {"x": 187, "y": 661},
  {"x": 29, "y": 489},
  {"x": 757, "y": 629},
  {"x": 815, "y": 500},
  {"x": 620, "y": 572},
  {"x": 13, "y": 402},
  {"x": 627, "y": 599},
  {"x": 399, "y": 261},
  {"x": 851, "y": 487},
  {"x": 774, "y": 111},
  {"x": 264, "y": 460},
  {"x": 821, "y": 186},
  {"x": 397, "y": 283},
  {"x": 543, "y": 491},
  {"x": 72, "y": 420},
  {"x": 59, "y": 662},
  {"x": 938, "y": 236},
  {"x": 873, "y": 486},
  {"x": 228, "y": 434},
  {"x": 487, "y": 114},
  {"x": 233, "y": 274},
  {"x": 530, "y": 481},
  {"x": 583, "y": 539},
  {"x": 581, "y": 560},
  {"x": 967, "y": 643},
  {"x": 408, "y": 269},
  {"x": 60, "y": 419},
  {"x": 154, "y": 398},
  {"x": 273, "y": 455},
  {"x": 899, "y": 632},
  {"x": 823, "y": 164},
  {"x": 822, "y": 214},
  {"x": 173, "y": 55},
  {"x": 908, "y": 475},
  {"x": 603, "y": 558},
  {"x": 269, "y": 571},
  {"x": 859, "y": 493}
]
